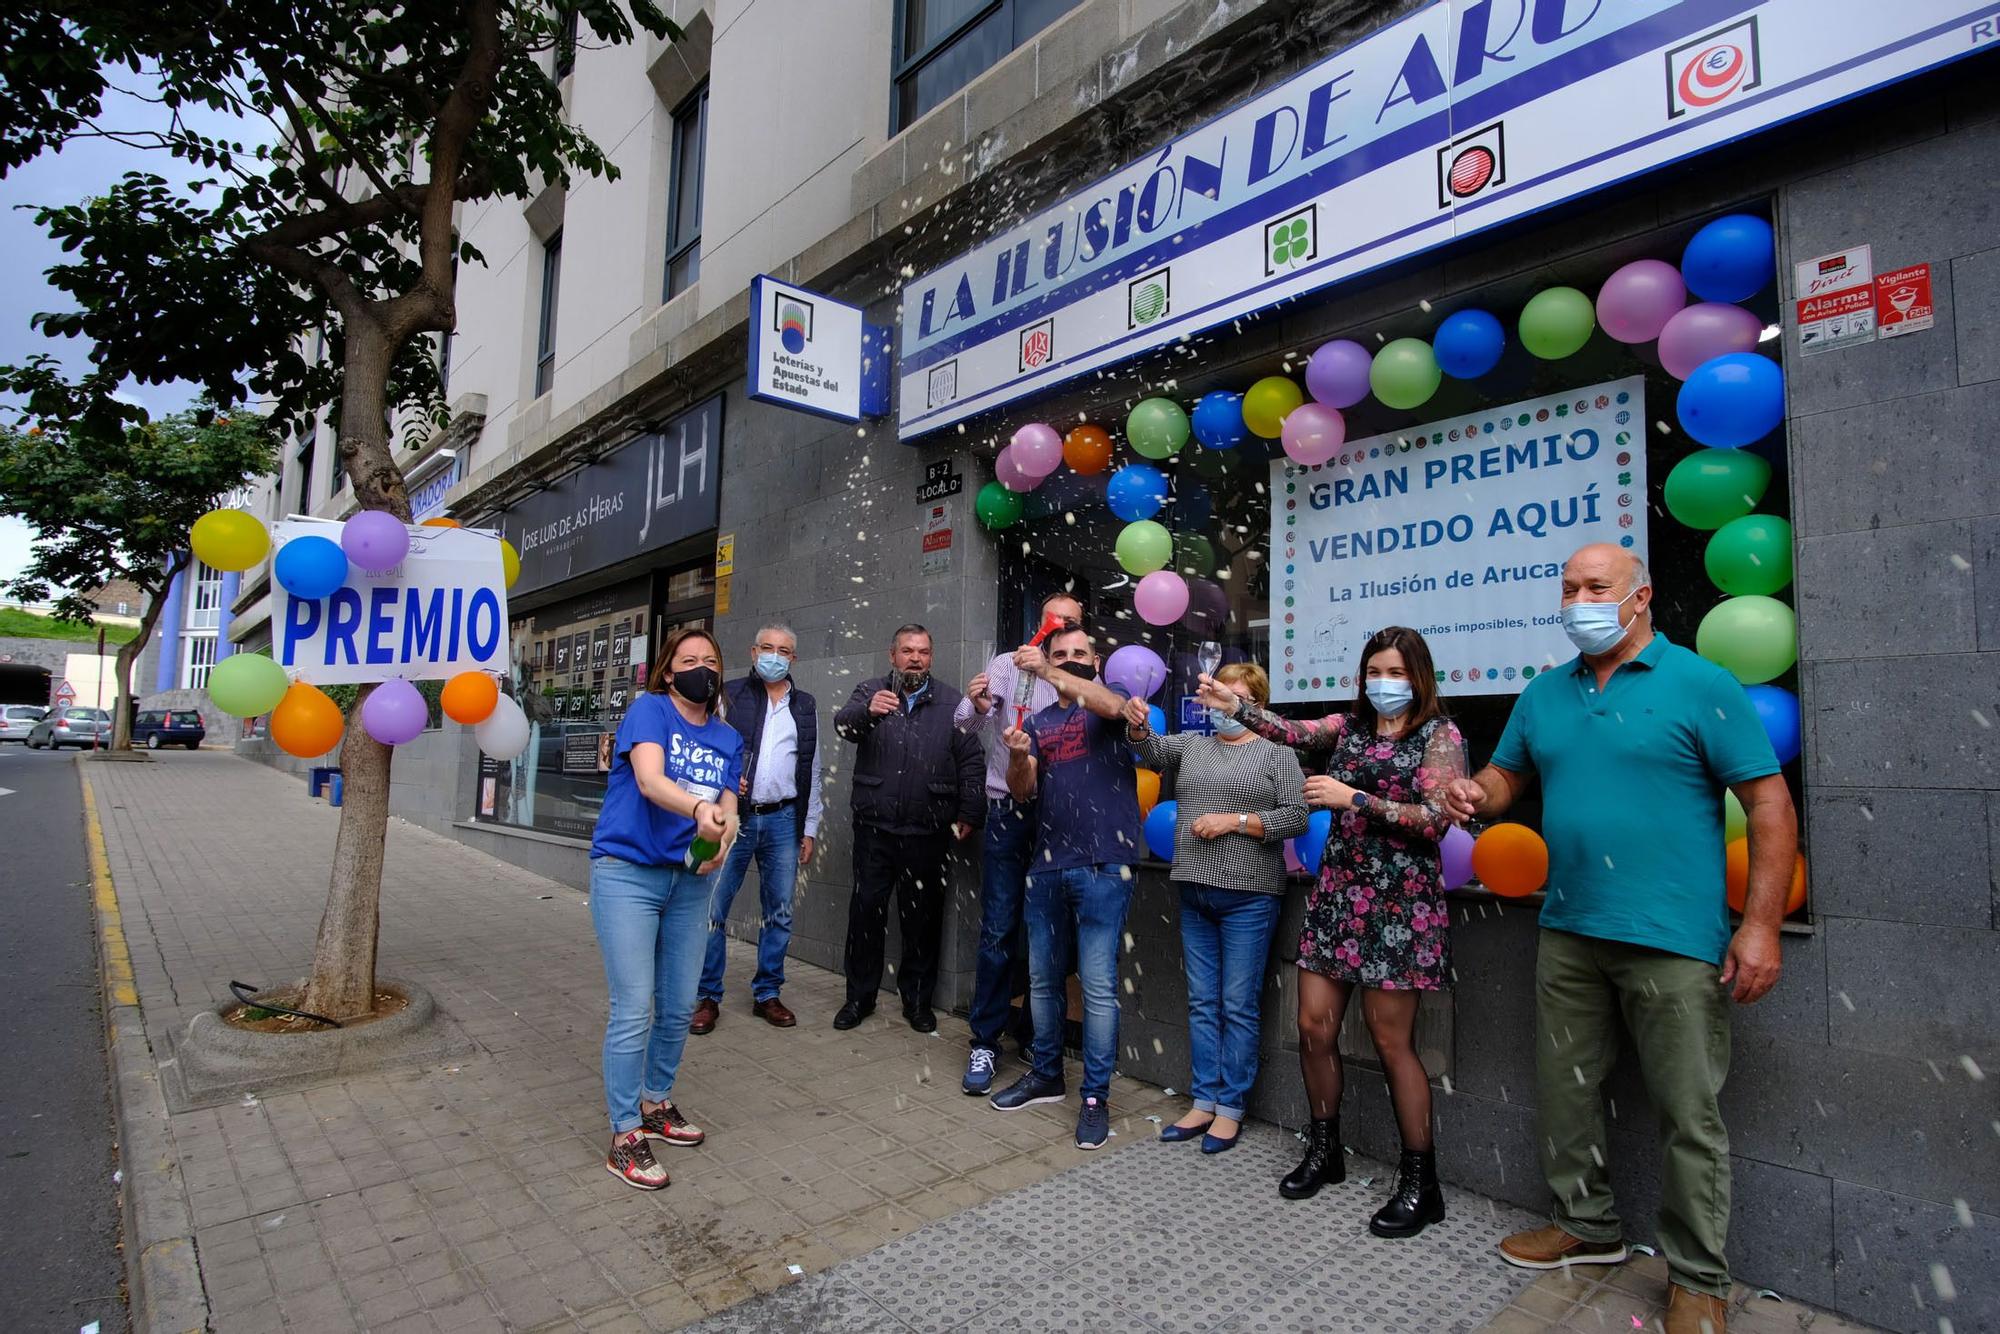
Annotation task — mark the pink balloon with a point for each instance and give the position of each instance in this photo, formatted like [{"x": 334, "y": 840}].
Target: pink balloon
[
  {"x": 1161, "y": 598},
  {"x": 1313, "y": 432},
  {"x": 1008, "y": 472},
  {"x": 1038, "y": 450},
  {"x": 1337, "y": 374},
  {"x": 1636, "y": 302},
  {"x": 1702, "y": 332},
  {"x": 1456, "y": 853}
]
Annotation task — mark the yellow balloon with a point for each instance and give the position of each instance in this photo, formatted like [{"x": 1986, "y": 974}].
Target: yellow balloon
[
  {"x": 1268, "y": 403},
  {"x": 510, "y": 561},
  {"x": 229, "y": 539}
]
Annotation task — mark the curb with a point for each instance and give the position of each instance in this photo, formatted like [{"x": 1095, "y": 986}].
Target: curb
[{"x": 162, "y": 1273}]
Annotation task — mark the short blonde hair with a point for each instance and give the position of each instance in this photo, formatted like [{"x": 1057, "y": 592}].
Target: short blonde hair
[{"x": 1251, "y": 677}]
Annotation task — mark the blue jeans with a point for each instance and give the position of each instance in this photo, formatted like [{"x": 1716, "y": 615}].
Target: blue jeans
[
  {"x": 1091, "y": 900},
  {"x": 1226, "y": 941},
  {"x": 773, "y": 840},
  {"x": 1010, "y": 842},
  {"x": 651, "y": 924}
]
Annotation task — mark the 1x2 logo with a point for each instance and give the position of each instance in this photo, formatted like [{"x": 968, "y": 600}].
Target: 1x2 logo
[{"x": 1038, "y": 344}]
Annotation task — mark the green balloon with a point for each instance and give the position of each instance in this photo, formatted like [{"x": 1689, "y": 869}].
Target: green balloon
[
  {"x": 1556, "y": 323},
  {"x": 1157, "y": 428},
  {"x": 1734, "y": 822},
  {"x": 1144, "y": 547},
  {"x": 1193, "y": 555},
  {"x": 1752, "y": 554},
  {"x": 1755, "y": 637},
  {"x": 1405, "y": 373},
  {"x": 1713, "y": 486},
  {"x": 997, "y": 507},
  {"x": 247, "y": 685}
]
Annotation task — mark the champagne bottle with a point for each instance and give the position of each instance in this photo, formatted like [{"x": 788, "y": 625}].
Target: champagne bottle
[{"x": 700, "y": 852}]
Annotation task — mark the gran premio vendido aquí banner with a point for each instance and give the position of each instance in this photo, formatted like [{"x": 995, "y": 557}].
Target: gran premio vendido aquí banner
[{"x": 1458, "y": 528}]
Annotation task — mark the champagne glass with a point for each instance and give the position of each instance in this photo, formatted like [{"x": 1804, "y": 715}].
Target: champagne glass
[{"x": 1209, "y": 655}]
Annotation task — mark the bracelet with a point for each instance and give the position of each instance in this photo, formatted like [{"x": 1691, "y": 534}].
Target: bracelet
[{"x": 695, "y": 814}]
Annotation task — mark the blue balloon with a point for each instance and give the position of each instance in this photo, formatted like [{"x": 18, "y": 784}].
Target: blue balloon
[
  {"x": 1468, "y": 344},
  {"x": 1778, "y": 709},
  {"x": 1311, "y": 845},
  {"x": 1160, "y": 830},
  {"x": 1192, "y": 509},
  {"x": 1156, "y": 718},
  {"x": 310, "y": 567},
  {"x": 1218, "y": 420},
  {"x": 1732, "y": 400},
  {"x": 1136, "y": 491},
  {"x": 1731, "y": 259}
]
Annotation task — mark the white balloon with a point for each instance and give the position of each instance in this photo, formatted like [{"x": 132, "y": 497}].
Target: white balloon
[{"x": 504, "y": 734}]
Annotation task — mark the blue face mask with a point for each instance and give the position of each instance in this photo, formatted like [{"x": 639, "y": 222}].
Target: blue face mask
[
  {"x": 1390, "y": 696},
  {"x": 1593, "y": 626},
  {"x": 1225, "y": 725},
  {"x": 773, "y": 666}
]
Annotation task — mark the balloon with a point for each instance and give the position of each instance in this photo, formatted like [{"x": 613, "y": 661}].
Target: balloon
[
  {"x": 1405, "y": 374},
  {"x": 1456, "y": 854},
  {"x": 1136, "y": 668},
  {"x": 1037, "y": 449},
  {"x": 1714, "y": 486},
  {"x": 1734, "y": 819},
  {"x": 1468, "y": 344},
  {"x": 1636, "y": 302},
  {"x": 1192, "y": 508},
  {"x": 229, "y": 539},
  {"x": 1156, "y": 719},
  {"x": 1752, "y": 554},
  {"x": 1556, "y": 323},
  {"x": 245, "y": 685},
  {"x": 1010, "y": 474},
  {"x": 306, "y": 722},
  {"x": 1778, "y": 709},
  {"x": 1136, "y": 491},
  {"x": 1292, "y": 864},
  {"x": 1755, "y": 637},
  {"x": 1268, "y": 403},
  {"x": 1161, "y": 598},
  {"x": 997, "y": 507},
  {"x": 394, "y": 712},
  {"x": 1149, "y": 790},
  {"x": 510, "y": 563},
  {"x": 1312, "y": 433},
  {"x": 1218, "y": 420},
  {"x": 1337, "y": 374},
  {"x": 470, "y": 698},
  {"x": 1144, "y": 547},
  {"x": 1702, "y": 333},
  {"x": 1208, "y": 608},
  {"x": 1310, "y": 846},
  {"x": 310, "y": 567},
  {"x": 442, "y": 523},
  {"x": 1157, "y": 428},
  {"x": 1511, "y": 860},
  {"x": 1193, "y": 555},
  {"x": 1160, "y": 829},
  {"x": 1736, "y": 877},
  {"x": 1733, "y": 400},
  {"x": 1087, "y": 450},
  {"x": 1731, "y": 259},
  {"x": 504, "y": 734},
  {"x": 375, "y": 540}
]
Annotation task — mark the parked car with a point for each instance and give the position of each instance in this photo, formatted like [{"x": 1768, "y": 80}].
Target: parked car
[
  {"x": 75, "y": 727},
  {"x": 17, "y": 720},
  {"x": 154, "y": 728}
]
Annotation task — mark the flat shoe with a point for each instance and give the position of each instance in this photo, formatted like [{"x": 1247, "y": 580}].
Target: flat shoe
[
  {"x": 1181, "y": 1134},
  {"x": 1216, "y": 1144}
]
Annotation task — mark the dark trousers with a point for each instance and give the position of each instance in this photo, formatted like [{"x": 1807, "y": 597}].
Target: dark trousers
[
  {"x": 1003, "y": 943},
  {"x": 912, "y": 868}
]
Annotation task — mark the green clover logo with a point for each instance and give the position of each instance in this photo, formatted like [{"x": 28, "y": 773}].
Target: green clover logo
[{"x": 1291, "y": 242}]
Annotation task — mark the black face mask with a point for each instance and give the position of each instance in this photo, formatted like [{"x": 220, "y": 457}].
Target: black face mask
[
  {"x": 1082, "y": 671},
  {"x": 697, "y": 685},
  {"x": 911, "y": 682}
]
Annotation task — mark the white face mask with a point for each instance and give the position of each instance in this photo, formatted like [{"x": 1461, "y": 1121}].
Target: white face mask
[
  {"x": 1390, "y": 696},
  {"x": 1593, "y": 626}
]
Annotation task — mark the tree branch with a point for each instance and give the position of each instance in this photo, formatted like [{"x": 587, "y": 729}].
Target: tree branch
[
  {"x": 375, "y": 177},
  {"x": 316, "y": 179}
]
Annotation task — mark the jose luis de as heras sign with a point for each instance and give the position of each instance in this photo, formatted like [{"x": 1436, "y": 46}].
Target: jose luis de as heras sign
[{"x": 1458, "y": 528}]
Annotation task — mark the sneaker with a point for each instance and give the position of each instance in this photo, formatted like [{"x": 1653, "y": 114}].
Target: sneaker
[
  {"x": 1026, "y": 1092},
  {"x": 978, "y": 1073},
  {"x": 632, "y": 1162},
  {"x": 666, "y": 1123},
  {"x": 1093, "y": 1124}
]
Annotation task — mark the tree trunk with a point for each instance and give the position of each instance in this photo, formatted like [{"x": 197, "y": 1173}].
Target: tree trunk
[{"x": 128, "y": 653}]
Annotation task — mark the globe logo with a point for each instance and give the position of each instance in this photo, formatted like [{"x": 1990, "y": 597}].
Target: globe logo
[{"x": 792, "y": 327}]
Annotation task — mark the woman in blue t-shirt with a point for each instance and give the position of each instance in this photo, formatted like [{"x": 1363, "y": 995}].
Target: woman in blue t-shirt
[{"x": 674, "y": 773}]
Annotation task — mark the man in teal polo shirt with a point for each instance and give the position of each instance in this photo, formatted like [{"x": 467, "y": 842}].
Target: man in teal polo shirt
[{"x": 1634, "y": 743}]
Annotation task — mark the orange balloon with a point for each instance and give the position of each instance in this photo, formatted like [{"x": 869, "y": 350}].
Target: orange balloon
[
  {"x": 1087, "y": 449},
  {"x": 469, "y": 698},
  {"x": 306, "y": 723},
  {"x": 1511, "y": 860},
  {"x": 442, "y": 523},
  {"x": 1736, "y": 877},
  {"x": 1149, "y": 791}
]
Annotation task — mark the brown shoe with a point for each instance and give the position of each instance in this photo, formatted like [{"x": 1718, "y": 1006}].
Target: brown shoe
[
  {"x": 706, "y": 1012},
  {"x": 774, "y": 1013},
  {"x": 1691, "y": 1312},
  {"x": 1552, "y": 1248}
]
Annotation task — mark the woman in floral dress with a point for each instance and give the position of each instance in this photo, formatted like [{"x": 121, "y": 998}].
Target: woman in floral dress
[{"x": 1377, "y": 918}]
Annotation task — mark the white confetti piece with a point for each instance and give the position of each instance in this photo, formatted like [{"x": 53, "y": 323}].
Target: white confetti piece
[
  {"x": 1972, "y": 1068},
  {"x": 794, "y": 1270},
  {"x": 1947, "y": 1291}
]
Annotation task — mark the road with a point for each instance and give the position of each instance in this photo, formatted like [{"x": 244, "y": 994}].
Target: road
[{"x": 59, "y": 1226}]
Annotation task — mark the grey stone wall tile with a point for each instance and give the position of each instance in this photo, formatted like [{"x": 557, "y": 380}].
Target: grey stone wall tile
[
  {"x": 880, "y": 176},
  {"x": 1917, "y": 990},
  {"x": 1906, "y": 722},
  {"x": 1894, "y": 855},
  {"x": 1909, "y": 460},
  {"x": 1884, "y": 1239},
  {"x": 1886, "y": 592},
  {"x": 1000, "y": 92},
  {"x": 1796, "y": 1008},
  {"x": 1494, "y": 957},
  {"x": 1075, "y": 41},
  {"x": 1985, "y": 574},
  {"x": 1975, "y": 280}
]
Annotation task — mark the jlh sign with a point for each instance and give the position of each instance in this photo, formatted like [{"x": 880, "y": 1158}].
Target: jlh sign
[{"x": 810, "y": 352}]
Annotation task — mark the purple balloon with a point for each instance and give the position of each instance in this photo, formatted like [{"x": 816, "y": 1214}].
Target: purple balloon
[
  {"x": 1312, "y": 433},
  {"x": 1138, "y": 669},
  {"x": 1161, "y": 598},
  {"x": 1008, "y": 472},
  {"x": 1636, "y": 302},
  {"x": 394, "y": 712},
  {"x": 1337, "y": 374},
  {"x": 1456, "y": 852},
  {"x": 1037, "y": 449},
  {"x": 1208, "y": 607},
  {"x": 375, "y": 540},
  {"x": 1704, "y": 332}
]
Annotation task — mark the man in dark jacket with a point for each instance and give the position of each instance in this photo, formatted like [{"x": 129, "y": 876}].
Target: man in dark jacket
[{"x": 918, "y": 787}]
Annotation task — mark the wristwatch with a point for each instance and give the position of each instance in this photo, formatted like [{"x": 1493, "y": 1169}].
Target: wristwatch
[
  {"x": 1242, "y": 823},
  {"x": 1360, "y": 800}
]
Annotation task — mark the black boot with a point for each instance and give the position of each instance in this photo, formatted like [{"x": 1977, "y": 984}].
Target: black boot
[
  {"x": 1417, "y": 1201},
  {"x": 1323, "y": 1165}
]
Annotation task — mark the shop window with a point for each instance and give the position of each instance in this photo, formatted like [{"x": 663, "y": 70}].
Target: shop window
[
  {"x": 545, "y": 325},
  {"x": 684, "y": 193},
  {"x": 942, "y": 45},
  {"x": 566, "y": 46}
]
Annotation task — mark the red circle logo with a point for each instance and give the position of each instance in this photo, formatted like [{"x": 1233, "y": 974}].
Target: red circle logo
[
  {"x": 1713, "y": 75},
  {"x": 1470, "y": 171}
]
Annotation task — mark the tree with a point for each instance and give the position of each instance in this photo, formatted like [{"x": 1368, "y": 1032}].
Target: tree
[
  {"x": 386, "y": 118},
  {"x": 113, "y": 496}
]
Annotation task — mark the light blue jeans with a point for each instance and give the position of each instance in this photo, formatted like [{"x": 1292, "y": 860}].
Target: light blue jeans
[
  {"x": 773, "y": 839},
  {"x": 652, "y": 922},
  {"x": 1226, "y": 942},
  {"x": 1091, "y": 901}
]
